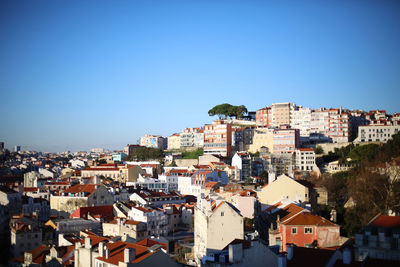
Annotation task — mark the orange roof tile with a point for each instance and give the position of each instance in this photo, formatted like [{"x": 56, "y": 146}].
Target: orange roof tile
[
  {"x": 386, "y": 221},
  {"x": 117, "y": 252},
  {"x": 90, "y": 188},
  {"x": 307, "y": 218}
]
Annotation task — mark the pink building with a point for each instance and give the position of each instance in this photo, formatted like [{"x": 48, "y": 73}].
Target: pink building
[
  {"x": 218, "y": 138},
  {"x": 339, "y": 126},
  {"x": 286, "y": 139},
  {"x": 264, "y": 117}
]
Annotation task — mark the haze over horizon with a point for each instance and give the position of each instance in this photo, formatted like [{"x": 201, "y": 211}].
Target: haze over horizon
[{"x": 75, "y": 75}]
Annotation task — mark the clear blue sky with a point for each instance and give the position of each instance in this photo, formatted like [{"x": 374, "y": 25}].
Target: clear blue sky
[{"x": 81, "y": 74}]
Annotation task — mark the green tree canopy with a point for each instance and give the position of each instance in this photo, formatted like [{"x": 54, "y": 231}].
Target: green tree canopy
[{"x": 228, "y": 110}]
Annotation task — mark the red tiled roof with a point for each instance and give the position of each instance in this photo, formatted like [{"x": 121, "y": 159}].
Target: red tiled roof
[
  {"x": 307, "y": 218},
  {"x": 38, "y": 255},
  {"x": 149, "y": 243},
  {"x": 244, "y": 193},
  {"x": 143, "y": 209},
  {"x": 149, "y": 165},
  {"x": 211, "y": 184},
  {"x": 274, "y": 206},
  {"x": 386, "y": 221},
  {"x": 31, "y": 189},
  {"x": 289, "y": 211},
  {"x": 117, "y": 252},
  {"x": 103, "y": 211},
  {"x": 90, "y": 188},
  {"x": 101, "y": 169}
]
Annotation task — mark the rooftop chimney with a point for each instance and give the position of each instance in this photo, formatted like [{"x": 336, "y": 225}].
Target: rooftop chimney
[
  {"x": 282, "y": 260},
  {"x": 289, "y": 248},
  {"x": 101, "y": 249},
  {"x": 346, "y": 256},
  {"x": 88, "y": 242},
  {"x": 129, "y": 254}
]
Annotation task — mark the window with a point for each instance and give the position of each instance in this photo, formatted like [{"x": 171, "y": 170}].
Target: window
[
  {"x": 308, "y": 230},
  {"x": 294, "y": 230},
  {"x": 222, "y": 213}
]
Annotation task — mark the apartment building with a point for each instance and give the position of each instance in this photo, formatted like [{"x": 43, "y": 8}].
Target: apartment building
[
  {"x": 264, "y": 117},
  {"x": 80, "y": 196},
  {"x": 301, "y": 119},
  {"x": 262, "y": 137},
  {"x": 192, "y": 138},
  {"x": 218, "y": 138},
  {"x": 154, "y": 141},
  {"x": 376, "y": 133},
  {"x": 305, "y": 159},
  {"x": 282, "y": 113},
  {"x": 339, "y": 126},
  {"x": 156, "y": 219},
  {"x": 174, "y": 141},
  {"x": 319, "y": 126},
  {"x": 286, "y": 139}
]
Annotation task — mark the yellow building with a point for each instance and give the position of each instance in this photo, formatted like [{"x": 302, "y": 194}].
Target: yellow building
[
  {"x": 174, "y": 142},
  {"x": 284, "y": 187},
  {"x": 263, "y": 137}
]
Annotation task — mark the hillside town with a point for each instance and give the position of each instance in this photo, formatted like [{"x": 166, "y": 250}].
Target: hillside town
[{"x": 284, "y": 185}]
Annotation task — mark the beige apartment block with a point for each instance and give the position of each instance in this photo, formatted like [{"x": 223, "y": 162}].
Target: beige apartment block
[
  {"x": 263, "y": 137},
  {"x": 282, "y": 113},
  {"x": 174, "y": 142}
]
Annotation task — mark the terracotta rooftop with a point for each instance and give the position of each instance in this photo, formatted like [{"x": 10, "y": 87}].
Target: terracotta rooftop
[
  {"x": 149, "y": 243},
  {"x": 90, "y": 188},
  {"x": 385, "y": 221},
  {"x": 289, "y": 211},
  {"x": 117, "y": 252},
  {"x": 307, "y": 218},
  {"x": 104, "y": 211}
]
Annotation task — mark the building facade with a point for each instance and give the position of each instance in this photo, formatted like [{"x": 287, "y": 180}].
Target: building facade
[{"x": 218, "y": 138}]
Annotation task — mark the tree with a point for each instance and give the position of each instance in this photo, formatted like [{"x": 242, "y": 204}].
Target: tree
[
  {"x": 336, "y": 186},
  {"x": 318, "y": 150},
  {"x": 147, "y": 153},
  {"x": 101, "y": 161},
  {"x": 240, "y": 111},
  {"x": 264, "y": 175},
  {"x": 374, "y": 193},
  {"x": 228, "y": 110}
]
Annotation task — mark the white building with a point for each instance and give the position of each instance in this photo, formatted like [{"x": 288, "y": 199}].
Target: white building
[
  {"x": 46, "y": 173},
  {"x": 319, "y": 126},
  {"x": 305, "y": 159},
  {"x": 377, "y": 133},
  {"x": 150, "y": 184},
  {"x": 192, "y": 137},
  {"x": 186, "y": 187},
  {"x": 170, "y": 180},
  {"x": 156, "y": 219},
  {"x": 301, "y": 119}
]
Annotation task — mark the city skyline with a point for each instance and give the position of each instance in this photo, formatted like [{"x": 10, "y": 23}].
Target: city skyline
[{"x": 80, "y": 75}]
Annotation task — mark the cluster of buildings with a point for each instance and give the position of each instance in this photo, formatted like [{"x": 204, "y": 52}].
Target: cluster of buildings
[{"x": 240, "y": 203}]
